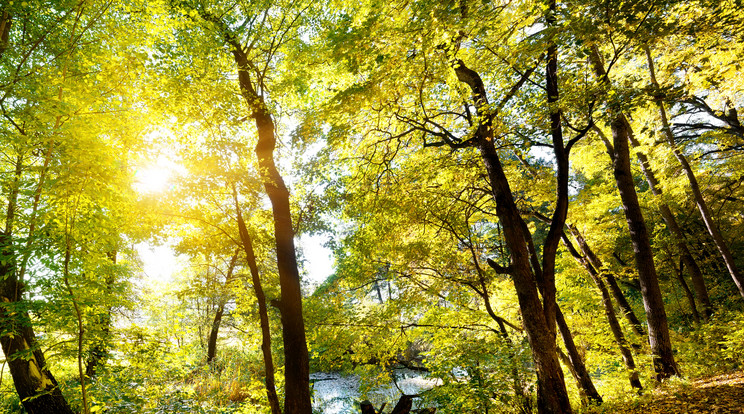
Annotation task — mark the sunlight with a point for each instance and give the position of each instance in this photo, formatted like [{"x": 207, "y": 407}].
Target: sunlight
[{"x": 155, "y": 177}]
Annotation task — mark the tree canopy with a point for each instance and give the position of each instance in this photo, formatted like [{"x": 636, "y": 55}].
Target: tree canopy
[{"x": 532, "y": 206}]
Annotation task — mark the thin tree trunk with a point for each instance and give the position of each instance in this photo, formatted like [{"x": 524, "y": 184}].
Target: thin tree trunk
[
  {"x": 214, "y": 332},
  {"x": 81, "y": 328},
  {"x": 617, "y": 293},
  {"x": 263, "y": 313},
  {"x": 688, "y": 293},
  {"x": 99, "y": 351},
  {"x": 617, "y": 331},
  {"x": 578, "y": 368},
  {"x": 710, "y": 225}
]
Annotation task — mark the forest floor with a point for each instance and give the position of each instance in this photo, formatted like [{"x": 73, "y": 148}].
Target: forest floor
[{"x": 721, "y": 394}]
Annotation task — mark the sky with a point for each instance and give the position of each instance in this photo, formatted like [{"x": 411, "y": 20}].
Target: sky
[{"x": 160, "y": 263}]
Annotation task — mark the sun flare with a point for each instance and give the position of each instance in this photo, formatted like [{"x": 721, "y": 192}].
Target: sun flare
[{"x": 155, "y": 177}]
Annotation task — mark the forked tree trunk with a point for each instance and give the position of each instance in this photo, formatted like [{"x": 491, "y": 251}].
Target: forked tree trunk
[
  {"x": 263, "y": 313},
  {"x": 296, "y": 360},
  {"x": 702, "y": 205},
  {"x": 552, "y": 396},
  {"x": 539, "y": 317}
]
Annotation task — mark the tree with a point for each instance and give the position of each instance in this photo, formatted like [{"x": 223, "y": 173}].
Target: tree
[
  {"x": 423, "y": 108},
  {"x": 694, "y": 187},
  {"x": 50, "y": 94},
  {"x": 273, "y": 33}
]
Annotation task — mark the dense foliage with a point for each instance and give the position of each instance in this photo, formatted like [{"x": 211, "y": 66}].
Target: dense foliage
[{"x": 532, "y": 206}]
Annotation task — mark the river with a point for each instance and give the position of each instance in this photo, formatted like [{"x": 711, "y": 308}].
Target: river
[{"x": 336, "y": 393}]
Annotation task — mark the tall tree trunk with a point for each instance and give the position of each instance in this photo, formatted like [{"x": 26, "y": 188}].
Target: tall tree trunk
[
  {"x": 696, "y": 275},
  {"x": 531, "y": 278},
  {"x": 710, "y": 225},
  {"x": 698, "y": 282},
  {"x": 79, "y": 317},
  {"x": 296, "y": 359},
  {"x": 214, "y": 332},
  {"x": 263, "y": 313},
  {"x": 617, "y": 331},
  {"x": 552, "y": 396},
  {"x": 297, "y": 367},
  {"x": 666, "y": 213},
  {"x": 653, "y": 302},
  {"x": 658, "y": 330}
]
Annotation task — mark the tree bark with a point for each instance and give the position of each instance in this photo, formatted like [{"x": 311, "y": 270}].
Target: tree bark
[
  {"x": 520, "y": 399},
  {"x": 263, "y": 313},
  {"x": 702, "y": 205},
  {"x": 297, "y": 398},
  {"x": 36, "y": 386},
  {"x": 297, "y": 367},
  {"x": 551, "y": 393},
  {"x": 214, "y": 333},
  {"x": 617, "y": 331},
  {"x": 578, "y": 368},
  {"x": 698, "y": 282},
  {"x": 6, "y": 21},
  {"x": 658, "y": 330}
]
